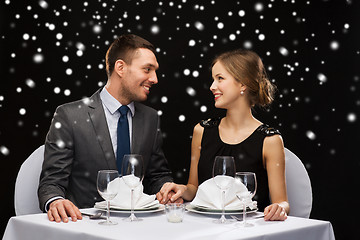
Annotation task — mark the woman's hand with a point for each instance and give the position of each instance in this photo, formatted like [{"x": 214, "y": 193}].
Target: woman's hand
[
  {"x": 171, "y": 192},
  {"x": 275, "y": 212}
]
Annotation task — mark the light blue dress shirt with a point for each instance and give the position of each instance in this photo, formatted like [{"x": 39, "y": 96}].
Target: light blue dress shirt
[{"x": 112, "y": 115}]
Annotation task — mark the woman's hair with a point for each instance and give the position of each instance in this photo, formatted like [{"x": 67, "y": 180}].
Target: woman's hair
[
  {"x": 247, "y": 68},
  {"x": 124, "y": 48}
]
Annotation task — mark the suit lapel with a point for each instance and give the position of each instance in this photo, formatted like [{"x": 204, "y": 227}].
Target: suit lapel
[
  {"x": 137, "y": 130},
  {"x": 97, "y": 116}
]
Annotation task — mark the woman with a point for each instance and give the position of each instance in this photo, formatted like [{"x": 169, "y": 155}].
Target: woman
[{"x": 239, "y": 83}]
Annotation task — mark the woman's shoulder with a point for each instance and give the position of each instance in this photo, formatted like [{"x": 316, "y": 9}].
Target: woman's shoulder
[
  {"x": 211, "y": 122},
  {"x": 266, "y": 130}
]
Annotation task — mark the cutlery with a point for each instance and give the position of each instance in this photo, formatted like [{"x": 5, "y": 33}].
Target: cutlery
[
  {"x": 240, "y": 219},
  {"x": 94, "y": 216}
]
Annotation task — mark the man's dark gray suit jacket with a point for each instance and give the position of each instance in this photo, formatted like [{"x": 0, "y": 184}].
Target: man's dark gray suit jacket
[{"x": 78, "y": 144}]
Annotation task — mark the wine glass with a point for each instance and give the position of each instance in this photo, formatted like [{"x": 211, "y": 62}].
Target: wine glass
[
  {"x": 108, "y": 186},
  {"x": 132, "y": 174},
  {"x": 223, "y": 175},
  {"x": 249, "y": 181}
]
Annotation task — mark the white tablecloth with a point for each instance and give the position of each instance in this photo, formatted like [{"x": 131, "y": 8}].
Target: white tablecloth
[{"x": 155, "y": 226}]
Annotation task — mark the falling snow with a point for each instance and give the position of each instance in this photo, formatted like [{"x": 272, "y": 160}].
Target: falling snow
[
  {"x": 191, "y": 91},
  {"x": 192, "y": 43},
  {"x": 182, "y": 118},
  {"x": 283, "y": 51},
  {"x": 30, "y": 83},
  {"x": 164, "y": 99},
  {"x": 53, "y": 52},
  {"x": 22, "y": 111},
  {"x": 351, "y": 117},
  {"x": 155, "y": 29},
  {"x": 334, "y": 45},
  {"x": 186, "y": 72},
  {"x": 4, "y": 150},
  {"x": 311, "y": 135},
  {"x": 38, "y": 58},
  {"x": 322, "y": 77},
  {"x": 199, "y": 26}
]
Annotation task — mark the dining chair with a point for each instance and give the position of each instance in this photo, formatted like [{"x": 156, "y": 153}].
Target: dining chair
[
  {"x": 27, "y": 182},
  {"x": 298, "y": 186}
]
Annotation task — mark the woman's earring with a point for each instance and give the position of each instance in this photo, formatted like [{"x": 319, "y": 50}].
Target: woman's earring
[{"x": 242, "y": 92}]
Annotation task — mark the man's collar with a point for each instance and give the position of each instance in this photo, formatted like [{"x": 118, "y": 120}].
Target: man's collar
[{"x": 112, "y": 104}]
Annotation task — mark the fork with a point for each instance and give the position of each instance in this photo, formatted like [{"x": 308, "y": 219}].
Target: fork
[
  {"x": 94, "y": 216},
  {"x": 240, "y": 219}
]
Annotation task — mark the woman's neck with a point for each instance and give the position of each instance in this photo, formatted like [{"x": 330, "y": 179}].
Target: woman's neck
[{"x": 240, "y": 118}]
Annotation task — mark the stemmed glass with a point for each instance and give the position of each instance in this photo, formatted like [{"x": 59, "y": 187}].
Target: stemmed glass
[
  {"x": 249, "y": 181},
  {"x": 132, "y": 174},
  {"x": 108, "y": 186},
  {"x": 223, "y": 175}
]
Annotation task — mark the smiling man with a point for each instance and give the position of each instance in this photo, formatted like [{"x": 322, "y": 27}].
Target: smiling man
[{"x": 84, "y": 136}]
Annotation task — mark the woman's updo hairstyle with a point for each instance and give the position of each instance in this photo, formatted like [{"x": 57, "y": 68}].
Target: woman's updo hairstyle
[{"x": 247, "y": 68}]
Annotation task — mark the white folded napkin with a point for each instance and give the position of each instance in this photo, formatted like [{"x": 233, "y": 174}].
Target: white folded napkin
[
  {"x": 209, "y": 196},
  {"x": 123, "y": 198}
]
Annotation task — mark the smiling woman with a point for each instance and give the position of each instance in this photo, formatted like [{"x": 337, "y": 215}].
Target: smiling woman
[
  {"x": 239, "y": 83},
  {"x": 247, "y": 69}
]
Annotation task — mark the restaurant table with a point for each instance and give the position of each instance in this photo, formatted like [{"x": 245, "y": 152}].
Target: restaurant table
[{"x": 155, "y": 226}]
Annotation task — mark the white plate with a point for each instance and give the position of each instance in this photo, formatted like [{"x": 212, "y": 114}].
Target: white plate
[
  {"x": 157, "y": 208},
  {"x": 203, "y": 210}
]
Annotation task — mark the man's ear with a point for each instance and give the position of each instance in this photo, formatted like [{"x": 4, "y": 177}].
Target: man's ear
[{"x": 120, "y": 67}]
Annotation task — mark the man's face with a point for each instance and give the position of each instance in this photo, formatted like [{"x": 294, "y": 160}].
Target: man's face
[{"x": 139, "y": 76}]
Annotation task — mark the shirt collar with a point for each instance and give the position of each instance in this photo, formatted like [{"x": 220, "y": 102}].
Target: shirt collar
[{"x": 112, "y": 104}]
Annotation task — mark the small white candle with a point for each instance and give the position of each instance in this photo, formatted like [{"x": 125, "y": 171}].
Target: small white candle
[{"x": 174, "y": 217}]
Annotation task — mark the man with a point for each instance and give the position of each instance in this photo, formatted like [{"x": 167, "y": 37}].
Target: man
[{"x": 83, "y": 136}]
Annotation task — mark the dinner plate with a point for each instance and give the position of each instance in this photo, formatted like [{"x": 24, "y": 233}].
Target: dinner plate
[
  {"x": 204, "y": 210},
  {"x": 155, "y": 208}
]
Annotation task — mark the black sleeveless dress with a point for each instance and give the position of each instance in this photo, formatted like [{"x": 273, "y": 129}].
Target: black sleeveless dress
[{"x": 247, "y": 155}]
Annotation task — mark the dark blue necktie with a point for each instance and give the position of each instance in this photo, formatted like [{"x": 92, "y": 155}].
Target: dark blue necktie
[{"x": 123, "y": 137}]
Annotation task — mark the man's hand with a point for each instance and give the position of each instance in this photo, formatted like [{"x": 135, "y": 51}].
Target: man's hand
[
  {"x": 62, "y": 209},
  {"x": 177, "y": 200},
  {"x": 171, "y": 192}
]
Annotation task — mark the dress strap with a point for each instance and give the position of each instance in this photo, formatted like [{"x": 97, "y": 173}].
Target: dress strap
[
  {"x": 266, "y": 130},
  {"x": 211, "y": 122}
]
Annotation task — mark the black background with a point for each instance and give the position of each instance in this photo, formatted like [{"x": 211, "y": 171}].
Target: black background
[{"x": 316, "y": 107}]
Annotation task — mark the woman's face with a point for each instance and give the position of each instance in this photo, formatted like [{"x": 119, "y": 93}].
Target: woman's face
[{"x": 226, "y": 90}]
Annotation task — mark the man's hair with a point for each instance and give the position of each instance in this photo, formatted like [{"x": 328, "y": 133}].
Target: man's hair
[{"x": 124, "y": 48}]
